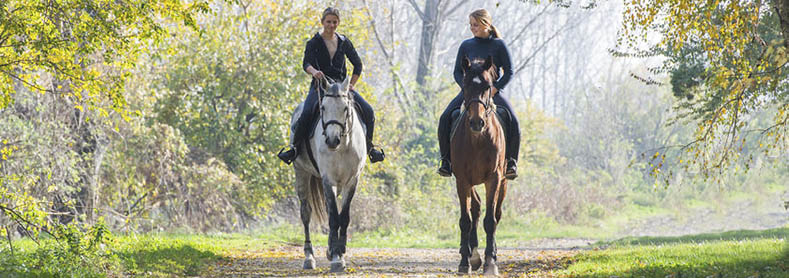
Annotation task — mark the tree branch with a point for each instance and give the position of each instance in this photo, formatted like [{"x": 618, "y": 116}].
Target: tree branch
[
  {"x": 418, "y": 10},
  {"x": 452, "y": 10}
]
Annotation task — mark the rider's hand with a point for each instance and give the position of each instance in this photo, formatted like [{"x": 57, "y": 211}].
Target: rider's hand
[
  {"x": 317, "y": 74},
  {"x": 351, "y": 88},
  {"x": 494, "y": 90}
]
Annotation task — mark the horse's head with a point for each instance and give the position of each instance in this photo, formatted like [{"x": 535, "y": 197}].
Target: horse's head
[
  {"x": 478, "y": 76},
  {"x": 336, "y": 104}
]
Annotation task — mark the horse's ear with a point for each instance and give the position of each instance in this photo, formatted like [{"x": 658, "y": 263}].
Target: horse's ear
[
  {"x": 488, "y": 62},
  {"x": 324, "y": 83},
  {"x": 466, "y": 64},
  {"x": 346, "y": 83}
]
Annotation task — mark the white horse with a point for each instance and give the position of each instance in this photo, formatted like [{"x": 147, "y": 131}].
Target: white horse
[{"x": 338, "y": 147}]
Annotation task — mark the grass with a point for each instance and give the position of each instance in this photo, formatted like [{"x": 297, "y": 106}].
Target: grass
[
  {"x": 730, "y": 254},
  {"x": 133, "y": 255},
  {"x": 167, "y": 255}
]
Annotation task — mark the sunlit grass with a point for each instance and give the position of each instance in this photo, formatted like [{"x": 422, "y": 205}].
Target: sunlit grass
[
  {"x": 132, "y": 255},
  {"x": 730, "y": 254}
]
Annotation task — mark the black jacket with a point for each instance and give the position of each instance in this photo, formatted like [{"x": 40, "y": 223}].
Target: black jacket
[
  {"x": 317, "y": 55},
  {"x": 482, "y": 48}
]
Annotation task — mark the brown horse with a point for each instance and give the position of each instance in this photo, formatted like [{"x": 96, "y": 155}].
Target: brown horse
[{"x": 478, "y": 148}]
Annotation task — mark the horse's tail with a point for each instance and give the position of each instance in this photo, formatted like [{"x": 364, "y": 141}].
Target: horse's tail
[{"x": 317, "y": 201}]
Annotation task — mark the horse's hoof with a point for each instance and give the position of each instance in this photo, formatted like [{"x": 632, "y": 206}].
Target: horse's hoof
[
  {"x": 309, "y": 263},
  {"x": 475, "y": 261},
  {"x": 464, "y": 269},
  {"x": 491, "y": 269},
  {"x": 337, "y": 267}
]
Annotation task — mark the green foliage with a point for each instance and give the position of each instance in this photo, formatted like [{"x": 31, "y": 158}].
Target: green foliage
[
  {"x": 153, "y": 182},
  {"x": 231, "y": 89},
  {"x": 80, "y": 48},
  {"x": 152, "y": 255},
  {"x": 70, "y": 251},
  {"x": 727, "y": 61}
]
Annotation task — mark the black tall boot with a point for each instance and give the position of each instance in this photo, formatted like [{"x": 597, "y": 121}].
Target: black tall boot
[
  {"x": 513, "y": 146},
  {"x": 288, "y": 156},
  {"x": 291, "y": 154},
  {"x": 375, "y": 154},
  {"x": 443, "y": 145}
]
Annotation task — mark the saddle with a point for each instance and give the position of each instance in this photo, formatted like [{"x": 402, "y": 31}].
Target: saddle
[{"x": 502, "y": 114}]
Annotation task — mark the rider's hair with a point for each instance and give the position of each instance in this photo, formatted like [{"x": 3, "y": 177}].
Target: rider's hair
[
  {"x": 483, "y": 17},
  {"x": 330, "y": 11}
]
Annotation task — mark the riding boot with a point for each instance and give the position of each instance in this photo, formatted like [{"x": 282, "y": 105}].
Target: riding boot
[
  {"x": 303, "y": 125},
  {"x": 444, "y": 130},
  {"x": 290, "y": 155},
  {"x": 511, "y": 171},
  {"x": 375, "y": 154},
  {"x": 368, "y": 117},
  {"x": 443, "y": 145},
  {"x": 446, "y": 168}
]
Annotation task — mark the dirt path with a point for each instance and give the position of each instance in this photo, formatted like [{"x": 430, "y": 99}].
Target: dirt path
[{"x": 286, "y": 261}]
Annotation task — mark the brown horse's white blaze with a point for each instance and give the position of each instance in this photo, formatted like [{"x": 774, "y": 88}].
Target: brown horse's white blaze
[{"x": 478, "y": 149}]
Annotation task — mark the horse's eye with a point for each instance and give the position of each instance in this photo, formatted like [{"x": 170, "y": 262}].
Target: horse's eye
[
  {"x": 323, "y": 108},
  {"x": 346, "y": 109}
]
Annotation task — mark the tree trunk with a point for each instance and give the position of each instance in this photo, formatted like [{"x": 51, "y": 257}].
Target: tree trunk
[
  {"x": 782, "y": 7},
  {"x": 430, "y": 27}
]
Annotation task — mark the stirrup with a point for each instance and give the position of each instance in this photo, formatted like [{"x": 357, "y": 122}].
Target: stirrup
[
  {"x": 445, "y": 170},
  {"x": 376, "y": 155},
  {"x": 288, "y": 156},
  {"x": 511, "y": 171}
]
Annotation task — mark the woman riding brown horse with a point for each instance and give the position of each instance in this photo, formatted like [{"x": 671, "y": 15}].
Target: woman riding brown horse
[
  {"x": 486, "y": 42},
  {"x": 478, "y": 156}
]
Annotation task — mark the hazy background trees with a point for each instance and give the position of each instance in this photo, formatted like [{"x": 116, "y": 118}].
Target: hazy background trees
[{"x": 183, "y": 134}]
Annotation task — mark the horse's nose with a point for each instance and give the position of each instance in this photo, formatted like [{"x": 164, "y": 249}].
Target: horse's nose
[
  {"x": 477, "y": 124},
  {"x": 332, "y": 142}
]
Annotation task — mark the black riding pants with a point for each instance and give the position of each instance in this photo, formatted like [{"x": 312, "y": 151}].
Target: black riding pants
[
  {"x": 513, "y": 139},
  {"x": 308, "y": 114}
]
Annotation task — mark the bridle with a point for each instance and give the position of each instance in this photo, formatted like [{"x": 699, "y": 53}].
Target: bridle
[
  {"x": 343, "y": 126},
  {"x": 488, "y": 103}
]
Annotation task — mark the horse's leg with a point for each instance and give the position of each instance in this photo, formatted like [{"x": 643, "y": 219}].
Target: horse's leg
[
  {"x": 345, "y": 215},
  {"x": 500, "y": 203},
  {"x": 492, "y": 188},
  {"x": 303, "y": 184},
  {"x": 476, "y": 261},
  {"x": 464, "y": 195},
  {"x": 338, "y": 262},
  {"x": 331, "y": 209}
]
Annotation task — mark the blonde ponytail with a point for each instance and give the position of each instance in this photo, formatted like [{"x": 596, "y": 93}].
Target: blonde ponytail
[{"x": 483, "y": 17}]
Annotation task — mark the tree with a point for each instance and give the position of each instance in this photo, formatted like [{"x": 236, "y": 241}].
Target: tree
[
  {"x": 728, "y": 61},
  {"x": 82, "y": 47},
  {"x": 232, "y": 89},
  {"x": 67, "y": 60}
]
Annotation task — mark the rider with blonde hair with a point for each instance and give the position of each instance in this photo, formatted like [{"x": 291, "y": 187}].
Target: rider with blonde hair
[{"x": 486, "y": 42}]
